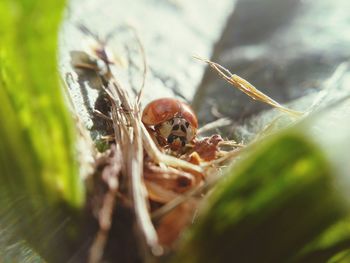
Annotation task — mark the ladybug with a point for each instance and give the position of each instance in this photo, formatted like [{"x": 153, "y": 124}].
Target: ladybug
[{"x": 174, "y": 122}]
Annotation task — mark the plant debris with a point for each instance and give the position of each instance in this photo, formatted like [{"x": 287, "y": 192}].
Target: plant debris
[{"x": 162, "y": 186}]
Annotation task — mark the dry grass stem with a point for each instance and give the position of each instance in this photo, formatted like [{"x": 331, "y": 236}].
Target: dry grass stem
[
  {"x": 226, "y": 158},
  {"x": 214, "y": 125},
  {"x": 231, "y": 143},
  {"x": 145, "y": 66},
  {"x": 244, "y": 86},
  {"x": 101, "y": 115}
]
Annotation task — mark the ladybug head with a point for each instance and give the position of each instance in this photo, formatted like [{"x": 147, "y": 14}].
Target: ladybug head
[{"x": 177, "y": 132}]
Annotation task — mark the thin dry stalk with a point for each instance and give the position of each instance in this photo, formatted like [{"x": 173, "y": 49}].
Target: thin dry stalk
[
  {"x": 139, "y": 190},
  {"x": 214, "y": 125},
  {"x": 101, "y": 115},
  {"x": 244, "y": 86},
  {"x": 145, "y": 66},
  {"x": 227, "y": 157},
  {"x": 231, "y": 143}
]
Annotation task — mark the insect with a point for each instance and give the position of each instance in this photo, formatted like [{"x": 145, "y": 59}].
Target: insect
[{"x": 174, "y": 122}]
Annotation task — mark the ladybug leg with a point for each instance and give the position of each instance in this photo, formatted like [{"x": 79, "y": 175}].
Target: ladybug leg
[
  {"x": 155, "y": 137},
  {"x": 160, "y": 140}
]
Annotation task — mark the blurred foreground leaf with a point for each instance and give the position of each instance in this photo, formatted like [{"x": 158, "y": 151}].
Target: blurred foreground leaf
[
  {"x": 38, "y": 168},
  {"x": 37, "y": 149},
  {"x": 281, "y": 204}
]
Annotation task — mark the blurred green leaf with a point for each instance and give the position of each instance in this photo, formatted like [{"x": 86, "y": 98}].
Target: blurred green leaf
[
  {"x": 39, "y": 179},
  {"x": 330, "y": 245},
  {"x": 36, "y": 135},
  {"x": 270, "y": 206}
]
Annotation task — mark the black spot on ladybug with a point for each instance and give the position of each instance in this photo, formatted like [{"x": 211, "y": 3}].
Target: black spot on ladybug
[
  {"x": 176, "y": 127},
  {"x": 171, "y": 138},
  {"x": 183, "y": 141},
  {"x": 183, "y": 128}
]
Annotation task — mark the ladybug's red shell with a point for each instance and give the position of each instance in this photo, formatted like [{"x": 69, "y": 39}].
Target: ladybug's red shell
[
  {"x": 188, "y": 114},
  {"x": 164, "y": 109}
]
